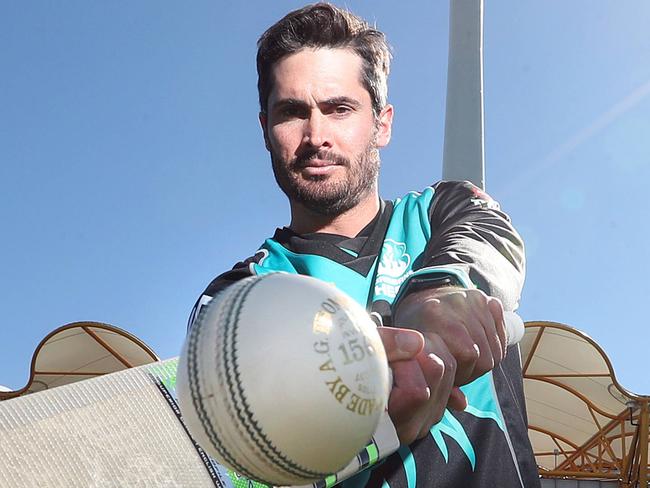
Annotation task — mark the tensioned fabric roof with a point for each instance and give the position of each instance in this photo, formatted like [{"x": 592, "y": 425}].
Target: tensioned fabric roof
[
  {"x": 79, "y": 351},
  {"x": 582, "y": 422}
]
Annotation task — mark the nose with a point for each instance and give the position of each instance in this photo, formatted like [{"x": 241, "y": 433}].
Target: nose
[{"x": 317, "y": 130}]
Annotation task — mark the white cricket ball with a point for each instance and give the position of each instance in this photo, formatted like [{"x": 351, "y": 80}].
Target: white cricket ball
[{"x": 283, "y": 379}]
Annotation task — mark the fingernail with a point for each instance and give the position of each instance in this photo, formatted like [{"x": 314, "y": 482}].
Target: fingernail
[
  {"x": 436, "y": 359},
  {"x": 409, "y": 343}
]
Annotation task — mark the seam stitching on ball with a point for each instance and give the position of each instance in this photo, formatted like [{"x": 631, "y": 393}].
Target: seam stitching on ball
[
  {"x": 246, "y": 417},
  {"x": 195, "y": 387}
]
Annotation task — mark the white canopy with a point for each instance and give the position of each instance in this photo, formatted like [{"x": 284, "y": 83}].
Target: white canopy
[
  {"x": 582, "y": 422},
  {"x": 82, "y": 350}
]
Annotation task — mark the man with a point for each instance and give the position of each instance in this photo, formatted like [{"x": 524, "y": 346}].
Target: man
[{"x": 324, "y": 115}]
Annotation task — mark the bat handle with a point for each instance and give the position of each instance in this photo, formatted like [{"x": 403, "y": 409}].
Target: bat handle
[{"x": 514, "y": 327}]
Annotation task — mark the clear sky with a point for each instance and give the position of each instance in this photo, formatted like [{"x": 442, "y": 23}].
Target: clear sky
[{"x": 132, "y": 168}]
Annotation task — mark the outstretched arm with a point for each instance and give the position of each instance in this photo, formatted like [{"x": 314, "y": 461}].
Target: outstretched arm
[{"x": 472, "y": 269}]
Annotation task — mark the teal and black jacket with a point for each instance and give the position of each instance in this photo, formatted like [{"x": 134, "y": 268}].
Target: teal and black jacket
[{"x": 454, "y": 230}]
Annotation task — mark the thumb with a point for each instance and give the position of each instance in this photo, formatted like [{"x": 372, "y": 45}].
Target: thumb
[{"x": 401, "y": 344}]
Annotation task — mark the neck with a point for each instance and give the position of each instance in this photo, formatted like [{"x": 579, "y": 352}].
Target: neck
[{"x": 348, "y": 223}]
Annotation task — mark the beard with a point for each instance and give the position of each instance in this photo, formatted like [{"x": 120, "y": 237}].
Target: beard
[{"x": 328, "y": 195}]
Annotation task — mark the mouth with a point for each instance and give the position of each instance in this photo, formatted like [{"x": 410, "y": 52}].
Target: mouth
[
  {"x": 319, "y": 160},
  {"x": 318, "y": 167},
  {"x": 318, "y": 163}
]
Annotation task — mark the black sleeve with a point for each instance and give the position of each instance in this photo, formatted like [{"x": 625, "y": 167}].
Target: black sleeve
[
  {"x": 240, "y": 271},
  {"x": 469, "y": 232}
]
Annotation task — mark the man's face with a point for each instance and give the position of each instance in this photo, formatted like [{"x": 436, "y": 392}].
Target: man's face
[{"x": 321, "y": 131}]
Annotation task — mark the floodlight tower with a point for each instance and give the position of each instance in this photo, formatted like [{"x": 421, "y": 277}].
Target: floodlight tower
[{"x": 463, "y": 153}]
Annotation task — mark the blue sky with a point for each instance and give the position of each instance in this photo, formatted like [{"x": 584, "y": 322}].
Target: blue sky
[{"x": 132, "y": 168}]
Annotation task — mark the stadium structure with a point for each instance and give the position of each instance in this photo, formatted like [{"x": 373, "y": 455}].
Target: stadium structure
[{"x": 586, "y": 429}]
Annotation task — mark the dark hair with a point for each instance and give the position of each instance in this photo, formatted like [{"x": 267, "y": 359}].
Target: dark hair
[{"x": 327, "y": 26}]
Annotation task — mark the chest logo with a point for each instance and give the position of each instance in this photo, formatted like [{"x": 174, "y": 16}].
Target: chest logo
[{"x": 393, "y": 269}]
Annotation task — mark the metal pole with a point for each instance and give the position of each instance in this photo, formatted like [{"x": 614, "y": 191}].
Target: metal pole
[
  {"x": 463, "y": 154},
  {"x": 643, "y": 444}
]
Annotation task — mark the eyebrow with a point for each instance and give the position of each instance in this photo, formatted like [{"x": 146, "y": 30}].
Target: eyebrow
[
  {"x": 288, "y": 102},
  {"x": 342, "y": 100}
]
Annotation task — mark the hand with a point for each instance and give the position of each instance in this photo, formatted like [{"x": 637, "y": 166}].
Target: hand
[
  {"x": 423, "y": 375},
  {"x": 469, "y": 322}
]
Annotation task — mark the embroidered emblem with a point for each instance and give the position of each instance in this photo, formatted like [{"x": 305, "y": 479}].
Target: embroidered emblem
[{"x": 393, "y": 269}]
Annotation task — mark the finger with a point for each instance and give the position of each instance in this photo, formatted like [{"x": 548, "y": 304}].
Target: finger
[
  {"x": 457, "y": 399},
  {"x": 482, "y": 328},
  {"x": 408, "y": 399},
  {"x": 496, "y": 309},
  {"x": 408, "y": 376},
  {"x": 490, "y": 317},
  {"x": 439, "y": 369},
  {"x": 434, "y": 369},
  {"x": 466, "y": 346},
  {"x": 400, "y": 344},
  {"x": 491, "y": 350}
]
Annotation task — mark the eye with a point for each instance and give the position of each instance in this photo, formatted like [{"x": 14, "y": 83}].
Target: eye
[
  {"x": 342, "y": 110},
  {"x": 289, "y": 111}
]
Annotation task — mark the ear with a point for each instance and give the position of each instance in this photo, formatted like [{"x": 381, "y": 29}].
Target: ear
[
  {"x": 384, "y": 125},
  {"x": 264, "y": 124}
]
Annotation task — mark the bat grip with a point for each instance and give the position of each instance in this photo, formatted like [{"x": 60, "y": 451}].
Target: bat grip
[{"x": 514, "y": 327}]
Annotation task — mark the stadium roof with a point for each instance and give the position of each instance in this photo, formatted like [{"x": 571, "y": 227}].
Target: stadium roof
[
  {"x": 82, "y": 350},
  {"x": 582, "y": 422}
]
